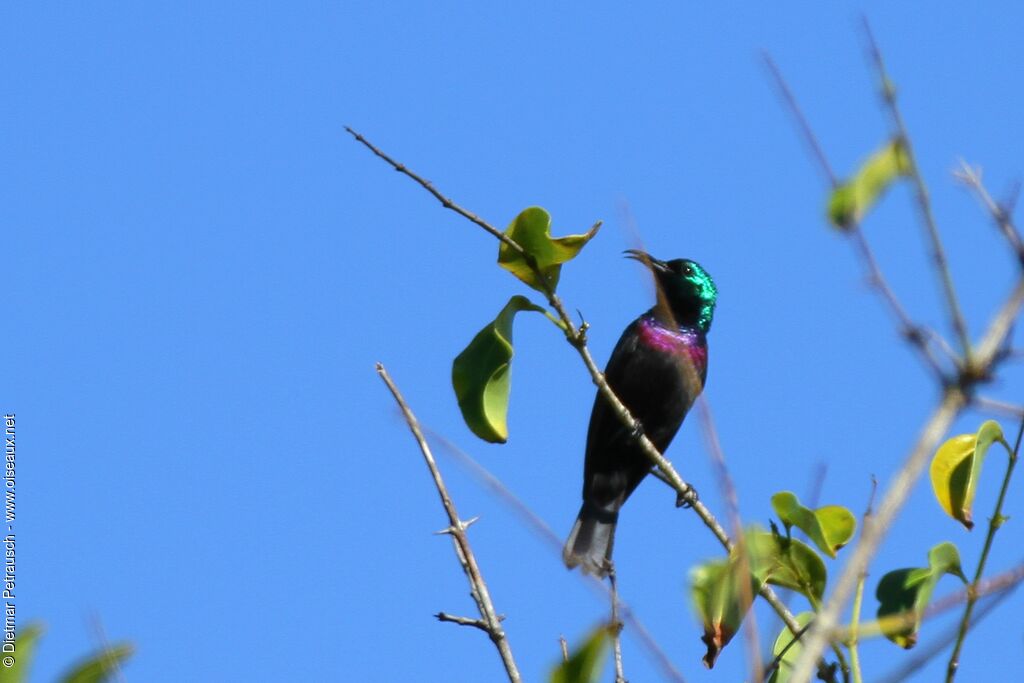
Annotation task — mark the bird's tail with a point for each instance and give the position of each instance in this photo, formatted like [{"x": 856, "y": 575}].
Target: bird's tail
[{"x": 590, "y": 541}]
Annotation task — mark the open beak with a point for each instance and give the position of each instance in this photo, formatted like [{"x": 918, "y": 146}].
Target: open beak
[{"x": 643, "y": 257}]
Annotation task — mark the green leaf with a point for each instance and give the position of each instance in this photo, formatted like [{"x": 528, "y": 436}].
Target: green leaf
[
  {"x": 851, "y": 200},
  {"x": 24, "y": 650},
  {"x": 481, "y": 374},
  {"x": 903, "y": 594},
  {"x": 945, "y": 559},
  {"x": 531, "y": 230},
  {"x": 100, "y": 666},
  {"x": 830, "y": 527},
  {"x": 789, "y": 563},
  {"x": 721, "y": 600},
  {"x": 789, "y": 649},
  {"x": 586, "y": 662},
  {"x": 723, "y": 590},
  {"x": 956, "y": 468}
]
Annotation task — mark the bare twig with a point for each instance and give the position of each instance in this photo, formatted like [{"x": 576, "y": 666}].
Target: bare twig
[
  {"x": 917, "y": 335},
  {"x": 852, "y": 642},
  {"x": 874, "y": 530},
  {"x": 576, "y": 337},
  {"x": 974, "y": 368},
  {"x": 729, "y": 494},
  {"x": 953, "y": 400},
  {"x": 565, "y": 648},
  {"x": 995, "y": 337},
  {"x": 429, "y": 187},
  {"x": 638, "y": 629},
  {"x": 616, "y": 628},
  {"x": 994, "y": 523},
  {"x": 809, "y": 137},
  {"x": 489, "y": 621},
  {"x": 465, "y": 621},
  {"x": 995, "y": 406},
  {"x": 971, "y": 177},
  {"x": 100, "y": 633},
  {"x": 817, "y": 484},
  {"x": 924, "y": 205}
]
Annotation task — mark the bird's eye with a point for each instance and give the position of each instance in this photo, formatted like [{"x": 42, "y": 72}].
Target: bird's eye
[{"x": 687, "y": 269}]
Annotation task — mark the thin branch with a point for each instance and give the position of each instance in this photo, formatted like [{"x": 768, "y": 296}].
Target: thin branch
[
  {"x": 577, "y": 339},
  {"x": 100, "y": 633},
  {"x": 465, "y": 621},
  {"x": 953, "y": 401},
  {"x": 873, "y": 532},
  {"x": 732, "y": 507},
  {"x": 490, "y": 622},
  {"x": 565, "y": 648},
  {"x": 1001, "y": 215},
  {"x": 994, "y": 523},
  {"x": 972, "y": 370},
  {"x": 995, "y": 406},
  {"x": 429, "y": 187},
  {"x": 943, "y": 345},
  {"x": 924, "y": 204},
  {"x": 805, "y": 128},
  {"x": 858, "y": 598},
  {"x": 616, "y": 628},
  {"x": 638, "y": 629},
  {"x": 917, "y": 335},
  {"x": 998, "y": 331}
]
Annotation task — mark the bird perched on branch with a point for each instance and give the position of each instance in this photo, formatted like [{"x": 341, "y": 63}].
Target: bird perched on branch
[{"x": 657, "y": 370}]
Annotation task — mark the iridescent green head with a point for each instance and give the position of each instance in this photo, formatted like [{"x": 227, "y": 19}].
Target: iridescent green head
[{"x": 684, "y": 287}]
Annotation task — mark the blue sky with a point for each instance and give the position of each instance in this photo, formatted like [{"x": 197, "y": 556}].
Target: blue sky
[{"x": 201, "y": 268}]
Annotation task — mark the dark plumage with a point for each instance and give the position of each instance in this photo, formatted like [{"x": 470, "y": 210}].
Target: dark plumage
[{"x": 657, "y": 369}]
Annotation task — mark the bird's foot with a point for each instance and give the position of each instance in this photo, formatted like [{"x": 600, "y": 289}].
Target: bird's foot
[{"x": 687, "y": 498}]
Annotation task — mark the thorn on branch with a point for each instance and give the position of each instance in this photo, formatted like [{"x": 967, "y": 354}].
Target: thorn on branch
[
  {"x": 871, "y": 497},
  {"x": 489, "y": 621},
  {"x": 462, "y": 526},
  {"x": 578, "y": 338},
  {"x": 584, "y": 325}
]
